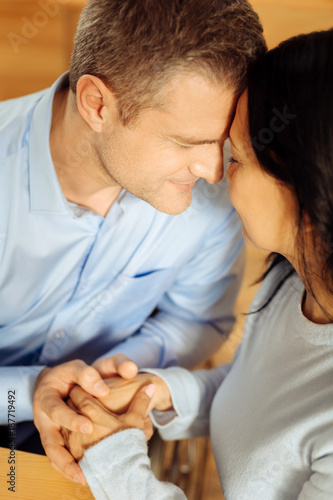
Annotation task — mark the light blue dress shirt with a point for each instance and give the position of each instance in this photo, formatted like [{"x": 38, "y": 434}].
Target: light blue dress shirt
[{"x": 157, "y": 287}]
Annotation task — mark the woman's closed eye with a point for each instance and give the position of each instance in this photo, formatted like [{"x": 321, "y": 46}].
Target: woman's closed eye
[
  {"x": 233, "y": 167},
  {"x": 232, "y": 160}
]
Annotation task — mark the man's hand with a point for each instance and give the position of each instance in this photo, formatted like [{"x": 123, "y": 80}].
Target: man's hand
[
  {"x": 106, "y": 422},
  {"x": 51, "y": 412},
  {"x": 118, "y": 364}
]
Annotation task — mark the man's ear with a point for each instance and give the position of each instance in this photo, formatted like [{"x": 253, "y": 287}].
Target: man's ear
[{"x": 96, "y": 103}]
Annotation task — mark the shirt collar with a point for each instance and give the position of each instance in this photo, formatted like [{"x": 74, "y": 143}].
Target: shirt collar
[{"x": 46, "y": 195}]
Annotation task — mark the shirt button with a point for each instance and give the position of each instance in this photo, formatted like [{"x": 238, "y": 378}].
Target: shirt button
[
  {"x": 78, "y": 212},
  {"x": 60, "y": 334}
]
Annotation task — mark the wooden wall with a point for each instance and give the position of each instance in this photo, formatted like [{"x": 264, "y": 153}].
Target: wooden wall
[
  {"x": 36, "y": 35},
  {"x": 36, "y": 38}
]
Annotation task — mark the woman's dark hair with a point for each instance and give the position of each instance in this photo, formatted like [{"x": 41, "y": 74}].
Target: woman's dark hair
[{"x": 290, "y": 103}]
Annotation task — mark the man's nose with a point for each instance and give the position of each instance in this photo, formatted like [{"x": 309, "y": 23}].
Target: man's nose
[{"x": 210, "y": 165}]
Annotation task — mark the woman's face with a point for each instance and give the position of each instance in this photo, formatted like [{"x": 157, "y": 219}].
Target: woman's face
[{"x": 266, "y": 207}]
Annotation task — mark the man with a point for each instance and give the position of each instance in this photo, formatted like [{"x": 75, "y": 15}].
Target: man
[{"x": 111, "y": 241}]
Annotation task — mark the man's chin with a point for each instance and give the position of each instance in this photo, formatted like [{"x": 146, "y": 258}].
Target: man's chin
[{"x": 174, "y": 207}]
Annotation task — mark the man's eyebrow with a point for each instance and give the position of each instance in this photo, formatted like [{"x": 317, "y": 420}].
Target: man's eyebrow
[{"x": 192, "y": 141}]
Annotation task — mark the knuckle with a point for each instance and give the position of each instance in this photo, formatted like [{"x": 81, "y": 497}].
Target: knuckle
[
  {"x": 79, "y": 363},
  {"x": 88, "y": 407},
  {"x": 97, "y": 363},
  {"x": 74, "y": 366},
  {"x": 89, "y": 373}
]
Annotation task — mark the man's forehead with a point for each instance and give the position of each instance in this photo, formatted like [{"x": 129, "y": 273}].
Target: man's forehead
[{"x": 189, "y": 88}]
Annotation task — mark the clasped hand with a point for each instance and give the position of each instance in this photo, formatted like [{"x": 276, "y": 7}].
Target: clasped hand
[
  {"x": 126, "y": 407},
  {"x": 96, "y": 408},
  {"x": 105, "y": 421}
]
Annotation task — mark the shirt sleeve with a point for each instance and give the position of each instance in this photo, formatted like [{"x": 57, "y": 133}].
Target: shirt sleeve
[
  {"x": 118, "y": 468},
  {"x": 196, "y": 315},
  {"x": 20, "y": 380},
  {"x": 192, "y": 396}
]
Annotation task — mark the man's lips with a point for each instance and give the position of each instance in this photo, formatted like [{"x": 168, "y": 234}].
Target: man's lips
[{"x": 184, "y": 186}]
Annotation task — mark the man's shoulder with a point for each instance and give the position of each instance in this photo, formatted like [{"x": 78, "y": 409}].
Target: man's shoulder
[{"x": 15, "y": 117}]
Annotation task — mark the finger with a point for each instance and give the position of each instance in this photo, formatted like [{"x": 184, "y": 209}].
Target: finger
[
  {"x": 60, "y": 414},
  {"x": 148, "y": 428},
  {"x": 140, "y": 404},
  {"x": 90, "y": 407},
  {"x": 90, "y": 380},
  {"x": 118, "y": 364},
  {"x": 127, "y": 369},
  {"x": 71, "y": 405},
  {"x": 70, "y": 468},
  {"x": 59, "y": 457}
]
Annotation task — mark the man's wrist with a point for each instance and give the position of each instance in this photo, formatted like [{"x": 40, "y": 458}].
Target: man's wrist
[{"x": 40, "y": 376}]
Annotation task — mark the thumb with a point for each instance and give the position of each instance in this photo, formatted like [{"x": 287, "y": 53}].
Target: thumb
[
  {"x": 141, "y": 401},
  {"x": 118, "y": 364}
]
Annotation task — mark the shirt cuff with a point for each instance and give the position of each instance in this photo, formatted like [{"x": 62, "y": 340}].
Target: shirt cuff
[{"x": 20, "y": 380}]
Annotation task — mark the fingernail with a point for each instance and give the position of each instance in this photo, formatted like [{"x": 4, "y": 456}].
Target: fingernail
[
  {"x": 150, "y": 389},
  {"x": 101, "y": 387},
  {"x": 86, "y": 429}
]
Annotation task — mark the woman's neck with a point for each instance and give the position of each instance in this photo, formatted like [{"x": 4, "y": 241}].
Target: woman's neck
[{"x": 317, "y": 303}]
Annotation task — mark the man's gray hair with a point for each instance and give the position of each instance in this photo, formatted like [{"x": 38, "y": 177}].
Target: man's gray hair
[{"x": 136, "y": 46}]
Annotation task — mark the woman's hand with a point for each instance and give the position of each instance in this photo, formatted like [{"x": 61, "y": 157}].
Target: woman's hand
[
  {"x": 123, "y": 391},
  {"x": 106, "y": 422}
]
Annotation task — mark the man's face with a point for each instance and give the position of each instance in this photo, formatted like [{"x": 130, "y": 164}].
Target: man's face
[{"x": 161, "y": 157}]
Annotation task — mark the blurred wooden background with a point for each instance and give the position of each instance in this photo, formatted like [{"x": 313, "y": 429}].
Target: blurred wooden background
[
  {"x": 35, "y": 45},
  {"x": 36, "y": 35}
]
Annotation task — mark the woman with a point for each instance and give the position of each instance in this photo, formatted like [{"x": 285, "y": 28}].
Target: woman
[{"x": 270, "y": 413}]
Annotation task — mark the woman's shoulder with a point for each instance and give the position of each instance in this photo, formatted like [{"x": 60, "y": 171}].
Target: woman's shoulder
[{"x": 279, "y": 275}]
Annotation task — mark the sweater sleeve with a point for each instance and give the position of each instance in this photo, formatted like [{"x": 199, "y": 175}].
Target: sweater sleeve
[
  {"x": 118, "y": 468},
  {"x": 320, "y": 484},
  {"x": 192, "y": 395}
]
